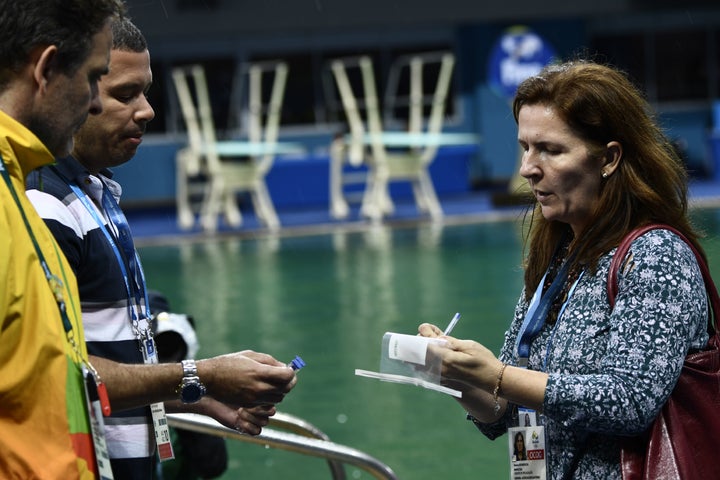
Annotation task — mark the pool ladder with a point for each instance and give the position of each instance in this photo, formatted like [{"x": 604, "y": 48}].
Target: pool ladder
[{"x": 300, "y": 437}]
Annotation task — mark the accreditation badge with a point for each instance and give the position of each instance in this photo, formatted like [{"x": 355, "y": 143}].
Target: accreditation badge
[
  {"x": 160, "y": 424},
  {"x": 94, "y": 400},
  {"x": 527, "y": 452}
]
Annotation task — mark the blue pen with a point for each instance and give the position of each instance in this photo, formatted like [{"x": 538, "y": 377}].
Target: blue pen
[{"x": 452, "y": 324}]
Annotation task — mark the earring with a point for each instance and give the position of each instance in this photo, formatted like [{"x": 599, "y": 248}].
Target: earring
[{"x": 604, "y": 174}]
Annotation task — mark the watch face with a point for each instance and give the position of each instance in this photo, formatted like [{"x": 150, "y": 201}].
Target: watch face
[{"x": 191, "y": 392}]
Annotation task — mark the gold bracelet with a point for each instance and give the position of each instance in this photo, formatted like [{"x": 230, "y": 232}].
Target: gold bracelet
[{"x": 496, "y": 390}]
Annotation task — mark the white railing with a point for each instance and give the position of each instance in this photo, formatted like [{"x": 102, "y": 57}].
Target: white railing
[{"x": 301, "y": 437}]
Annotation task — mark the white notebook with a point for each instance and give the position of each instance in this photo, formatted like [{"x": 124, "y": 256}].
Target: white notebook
[
  {"x": 405, "y": 359},
  {"x": 389, "y": 377}
]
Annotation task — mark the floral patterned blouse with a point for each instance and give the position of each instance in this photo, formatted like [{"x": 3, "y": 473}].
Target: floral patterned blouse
[{"x": 610, "y": 371}]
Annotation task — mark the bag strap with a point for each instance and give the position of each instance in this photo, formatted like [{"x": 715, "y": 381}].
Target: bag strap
[{"x": 624, "y": 247}]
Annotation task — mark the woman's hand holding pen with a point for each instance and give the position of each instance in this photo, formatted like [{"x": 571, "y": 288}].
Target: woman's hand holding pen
[
  {"x": 467, "y": 366},
  {"x": 485, "y": 382},
  {"x": 471, "y": 363},
  {"x": 464, "y": 361}
]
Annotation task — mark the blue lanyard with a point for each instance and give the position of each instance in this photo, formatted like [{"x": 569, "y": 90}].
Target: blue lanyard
[
  {"x": 538, "y": 311},
  {"x": 129, "y": 262},
  {"x": 117, "y": 217}
]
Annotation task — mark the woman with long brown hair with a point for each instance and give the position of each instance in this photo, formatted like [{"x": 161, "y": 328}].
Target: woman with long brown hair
[{"x": 586, "y": 373}]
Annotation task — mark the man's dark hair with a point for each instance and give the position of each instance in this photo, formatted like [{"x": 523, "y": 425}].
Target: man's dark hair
[
  {"x": 68, "y": 24},
  {"x": 127, "y": 37}
]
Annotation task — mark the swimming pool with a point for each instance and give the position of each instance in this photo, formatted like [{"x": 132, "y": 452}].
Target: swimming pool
[{"x": 330, "y": 298}]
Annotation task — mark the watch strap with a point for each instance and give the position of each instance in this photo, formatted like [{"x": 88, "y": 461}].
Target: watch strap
[{"x": 189, "y": 368}]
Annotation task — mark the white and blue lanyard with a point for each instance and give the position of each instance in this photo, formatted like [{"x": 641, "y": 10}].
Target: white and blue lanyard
[
  {"x": 538, "y": 311},
  {"x": 128, "y": 260},
  {"x": 533, "y": 465}
]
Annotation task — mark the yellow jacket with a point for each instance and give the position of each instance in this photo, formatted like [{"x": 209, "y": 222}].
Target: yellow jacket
[{"x": 44, "y": 429}]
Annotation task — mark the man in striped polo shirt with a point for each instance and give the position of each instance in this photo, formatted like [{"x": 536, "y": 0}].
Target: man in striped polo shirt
[{"x": 78, "y": 200}]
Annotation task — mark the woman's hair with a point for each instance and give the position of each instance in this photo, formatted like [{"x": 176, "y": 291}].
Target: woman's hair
[{"x": 601, "y": 105}]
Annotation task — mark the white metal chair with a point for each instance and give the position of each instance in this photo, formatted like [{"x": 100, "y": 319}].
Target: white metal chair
[
  {"x": 222, "y": 169},
  {"x": 367, "y": 143}
]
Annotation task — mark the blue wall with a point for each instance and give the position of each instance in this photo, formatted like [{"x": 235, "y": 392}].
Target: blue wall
[{"x": 149, "y": 178}]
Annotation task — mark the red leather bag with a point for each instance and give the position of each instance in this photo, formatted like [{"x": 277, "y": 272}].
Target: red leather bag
[{"x": 683, "y": 441}]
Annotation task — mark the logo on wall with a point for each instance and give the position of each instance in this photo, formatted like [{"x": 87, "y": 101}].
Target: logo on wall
[{"x": 519, "y": 53}]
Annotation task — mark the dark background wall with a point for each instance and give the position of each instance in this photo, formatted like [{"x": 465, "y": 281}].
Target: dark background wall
[{"x": 672, "y": 49}]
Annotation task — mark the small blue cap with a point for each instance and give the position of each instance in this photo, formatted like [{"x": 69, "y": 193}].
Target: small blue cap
[{"x": 297, "y": 363}]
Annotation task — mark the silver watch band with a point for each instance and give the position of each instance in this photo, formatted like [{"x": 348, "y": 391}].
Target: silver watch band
[{"x": 189, "y": 368}]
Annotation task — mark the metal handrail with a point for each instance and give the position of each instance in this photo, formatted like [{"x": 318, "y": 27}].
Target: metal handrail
[
  {"x": 302, "y": 427},
  {"x": 308, "y": 441},
  {"x": 294, "y": 424}
]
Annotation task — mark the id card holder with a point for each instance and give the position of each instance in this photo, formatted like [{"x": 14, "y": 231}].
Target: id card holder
[
  {"x": 526, "y": 446},
  {"x": 160, "y": 425},
  {"x": 528, "y": 417},
  {"x": 97, "y": 424},
  {"x": 147, "y": 345}
]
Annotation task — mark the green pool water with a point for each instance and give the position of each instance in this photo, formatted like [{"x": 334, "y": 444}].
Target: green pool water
[{"x": 330, "y": 298}]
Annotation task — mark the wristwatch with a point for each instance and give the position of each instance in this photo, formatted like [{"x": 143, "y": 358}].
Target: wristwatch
[{"x": 191, "y": 389}]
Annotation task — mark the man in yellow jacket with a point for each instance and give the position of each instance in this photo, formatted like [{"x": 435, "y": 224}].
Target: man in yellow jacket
[{"x": 52, "y": 54}]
